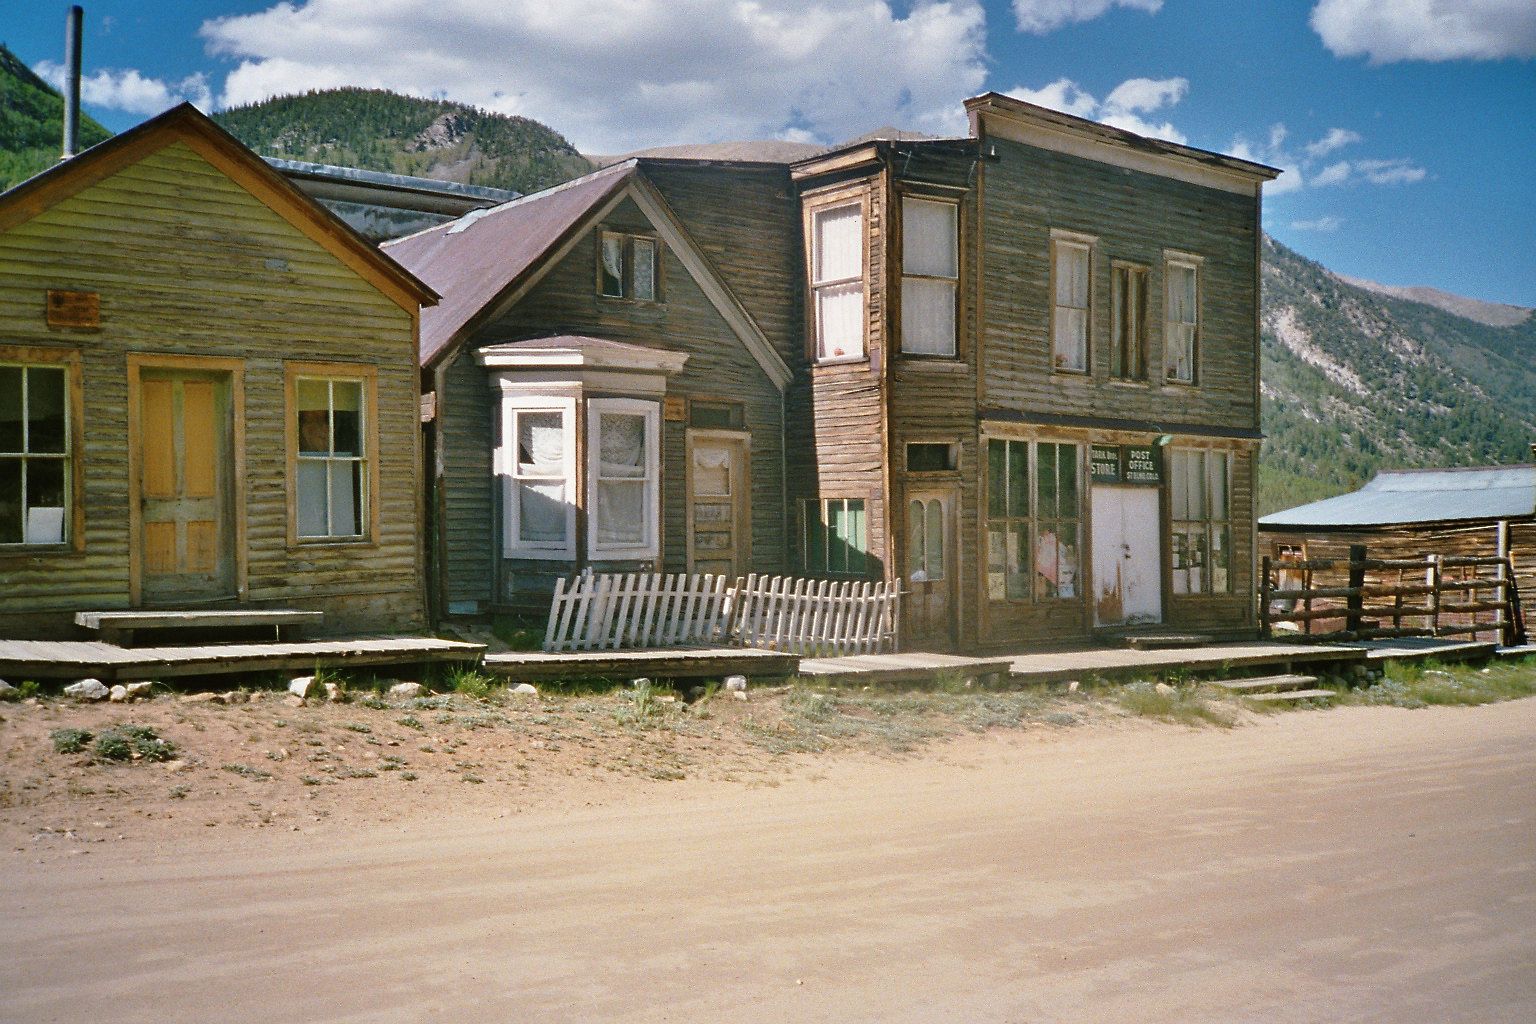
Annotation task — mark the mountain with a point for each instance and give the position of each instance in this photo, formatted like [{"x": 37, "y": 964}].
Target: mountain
[
  {"x": 384, "y": 131},
  {"x": 32, "y": 122},
  {"x": 1359, "y": 377}
]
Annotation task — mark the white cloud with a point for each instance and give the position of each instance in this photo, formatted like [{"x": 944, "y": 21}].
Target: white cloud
[
  {"x": 1325, "y": 223},
  {"x": 1399, "y": 171},
  {"x": 1122, "y": 108},
  {"x": 1429, "y": 30},
  {"x": 614, "y": 75},
  {"x": 1337, "y": 138},
  {"x": 1042, "y": 16},
  {"x": 130, "y": 91},
  {"x": 1333, "y": 174}
]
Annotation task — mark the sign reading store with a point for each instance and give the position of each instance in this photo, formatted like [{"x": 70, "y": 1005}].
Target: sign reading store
[{"x": 1125, "y": 464}]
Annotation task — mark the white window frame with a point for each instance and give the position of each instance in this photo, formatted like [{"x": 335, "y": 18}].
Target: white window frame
[
  {"x": 1072, "y": 241},
  {"x": 364, "y": 459},
  {"x": 1194, "y": 264},
  {"x": 650, "y": 547},
  {"x": 513, "y": 546},
  {"x": 952, "y": 279},
  {"x": 818, "y": 285}
]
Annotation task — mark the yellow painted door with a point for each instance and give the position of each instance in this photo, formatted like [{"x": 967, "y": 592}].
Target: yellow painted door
[
  {"x": 185, "y": 542},
  {"x": 718, "y": 511}
]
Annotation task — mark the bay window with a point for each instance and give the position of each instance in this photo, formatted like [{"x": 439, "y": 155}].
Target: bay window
[
  {"x": 930, "y": 280},
  {"x": 624, "y": 468},
  {"x": 36, "y": 461},
  {"x": 538, "y": 466},
  {"x": 837, "y": 281}
]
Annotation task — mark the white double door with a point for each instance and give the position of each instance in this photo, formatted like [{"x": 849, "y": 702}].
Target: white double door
[{"x": 1127, "y": 555}]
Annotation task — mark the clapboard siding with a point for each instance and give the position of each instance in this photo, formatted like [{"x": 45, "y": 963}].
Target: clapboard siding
[
  {"x": 719, "y": 366},
  {"x": 187, "y": 262},
  {"x": 1135, "y": 216},
  {"x": 468, "y": 439}
]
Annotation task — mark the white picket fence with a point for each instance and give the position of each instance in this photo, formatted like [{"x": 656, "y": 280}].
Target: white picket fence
[{"x": 610, "y": 611}]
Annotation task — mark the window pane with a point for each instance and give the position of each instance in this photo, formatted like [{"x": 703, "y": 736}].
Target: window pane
[
  {"x": 717, "y": 415},
  {"x": 928, "y": 238},
  {"x": 839, "y": 244},
  {"x": 929, "y": 457},
  {"x": 313, "y": 520},
  {"x": 645, "y": 268},
  {"x": 840, "y": 320},
  {"x": 1179, "y": 461},
  {"x": 1218, "y": 470},
  {"x": 857, "y": 542},
  {"x": 917, "y": 539},
  {"x": 927, "y": 316},
  {"x": 1045, "y": 481},
  {"x": 935, "y": 541},
  {"x": 540, "y": 444},
  {"x": 620, "y": 512},
  {"x": 45, "y": 409},
  {"x": 612, "y": 266},
  {"x": 1221, "y": 555},
  {"x": 346, "y": 499},
  {"x": 1071, "y": 338},
  {"x": 1017, "y": 588},
  {"x": 711, "y": 472},
  {"x": 1071, "y": 276},
  {"x": 1181, "y": 294},
  {"x": 1066, "y": 474},
  {"x": 1018, "y": 478},
  {"x": 10, "y": 410},
  {"x": 348, "y": 416},
  {"x": 997, "y": 479},
  {"x": 621, "y": 445},
  {"x": 541, "y": 513},
  {"x": 314, "y": 416},
  {"x": 10, "y": 501}
]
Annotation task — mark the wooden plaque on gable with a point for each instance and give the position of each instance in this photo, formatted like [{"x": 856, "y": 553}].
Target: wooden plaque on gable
[{"x": 73, "y": 309}]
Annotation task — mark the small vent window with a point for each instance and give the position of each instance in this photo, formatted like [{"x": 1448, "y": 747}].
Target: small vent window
[{"x": 930, "y": 457}]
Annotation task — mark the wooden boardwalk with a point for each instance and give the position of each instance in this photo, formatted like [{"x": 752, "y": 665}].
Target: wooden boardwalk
[
  {"x": 672, "y": 662},
  {"x": 1119, "y": 663},
  {"x": 75, "y": 659},
  {"x": 901, "y": 668}
]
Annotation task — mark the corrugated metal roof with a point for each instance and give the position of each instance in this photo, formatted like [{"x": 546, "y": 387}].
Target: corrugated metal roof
[
  {"x": 1421, "y": 496},
  {"x": 472, "y": 260}
]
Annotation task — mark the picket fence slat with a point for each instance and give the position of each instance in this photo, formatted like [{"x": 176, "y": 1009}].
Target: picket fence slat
[{"x": 609, "y": 611}]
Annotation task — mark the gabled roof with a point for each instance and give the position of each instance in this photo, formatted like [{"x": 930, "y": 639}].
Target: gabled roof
[
  {"x": 486, "y": 260},
  {"x": 1420, "y": 496},
  {"x": 186, "y": 124}
]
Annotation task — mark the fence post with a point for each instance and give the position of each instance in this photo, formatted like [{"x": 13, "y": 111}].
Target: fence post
[
  {"x": 1355, "y": 603},
  {"x": 1434, "y": 574},
  {"x": 1264, "y": 599}
]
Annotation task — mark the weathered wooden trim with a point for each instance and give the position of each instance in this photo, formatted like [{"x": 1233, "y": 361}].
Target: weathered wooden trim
[
  {"x": 368, "y": 373},
  {"x": 742, "y": 527},
  {"x": 138, "y": 362},
  {"x": 991, "y": 417},
  {"x": 69, "y": 358}
]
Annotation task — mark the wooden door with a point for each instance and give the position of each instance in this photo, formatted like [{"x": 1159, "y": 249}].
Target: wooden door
[
  {"x": 719, "y": 504},
  {"x": 931, "y": 571},
  {"x": 185, "y": 542},
  {"x": 1127, "y": 545}
]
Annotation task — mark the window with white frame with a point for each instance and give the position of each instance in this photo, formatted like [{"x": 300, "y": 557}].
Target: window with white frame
[
  {"x": 538, "y": 465},
  {"x": 930, "y": 282},
  {"x": 35, "y": 457},
  {"x": 1201, "y": 522},
  {"x": 331, "y": 471},
  {"x": 1070, "y": 267},
  {"x": 1181, "y": 320},
  {"x": 624, "y": 468},
  {"x": 1128, "y": 341},
  {"x": 837, "y": 280},
  {"x": 626, "y": 266}
]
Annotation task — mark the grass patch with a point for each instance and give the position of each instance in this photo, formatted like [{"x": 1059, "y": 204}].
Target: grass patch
[
  {"x": 470, "y": 682},
  {"x": 1428, "y": 684},
  {"x": 247, "y": 772},
  {"x": 1184, "y": 704},
  {"x": 133, "y": 743},
  {"x": 70, "y": 741}
]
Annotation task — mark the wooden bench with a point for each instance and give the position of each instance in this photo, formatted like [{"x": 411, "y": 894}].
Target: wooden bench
[{"x": 119, "y": 627}]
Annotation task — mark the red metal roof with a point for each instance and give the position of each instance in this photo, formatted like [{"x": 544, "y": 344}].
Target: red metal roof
[{"x": 473, "y": 260}]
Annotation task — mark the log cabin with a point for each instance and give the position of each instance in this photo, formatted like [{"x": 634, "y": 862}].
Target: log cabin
[
  {"x": 1015, "y": 370},
  {"x": 208, "y": 394}
]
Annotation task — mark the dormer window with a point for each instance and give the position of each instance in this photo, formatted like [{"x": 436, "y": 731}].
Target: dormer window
[
  {"x": 837, "y": 279},
  {"x": 626, "y": 266}
]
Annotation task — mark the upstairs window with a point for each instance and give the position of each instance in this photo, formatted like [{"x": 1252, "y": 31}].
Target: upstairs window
[
  {"x": 1181, "y": 321},
  {"x": 837, "y": 280},
  {"x": 624, "y": 468},
  {"x": 1070, "y": 266},
  {"x": 1201, "y": 521},
  {"x": 836, "y": 538},
  {"x": 331, "y": 471},
  {"x": 1128, "y": 341},
  {"x": 35, "y": 458},
  {"x": 626, "y": 266},
  {"x": 930, "y": 280}
]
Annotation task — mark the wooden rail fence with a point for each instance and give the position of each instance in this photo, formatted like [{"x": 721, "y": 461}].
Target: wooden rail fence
[
  {"x": 609, "y": 611},
  {"x": 1434, "y": 596}
]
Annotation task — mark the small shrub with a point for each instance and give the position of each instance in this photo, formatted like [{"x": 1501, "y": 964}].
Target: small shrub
[
  {"x": 133, "y": 743},
  {"x": 70, "y": 741},
  {"x": 349, "y": 772},
  {"x": 409, "y": 776},
  {"x": 246, "y": 771},
  {"x": 179, "y": 792},
  {"x": 356, "y": 727},
  {"x": 374, "y": 703},
  {"x": 410, "y": 722},
  {"x": 21, "y": 691},
  {"x": 470, "y": 682}
]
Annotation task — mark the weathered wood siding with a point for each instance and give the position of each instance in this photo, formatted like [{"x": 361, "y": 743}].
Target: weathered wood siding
[
  {"x": 837, "y": 417},
  {"x": 470, "y": 528},
  {"x": 187, "y": 262},
  {"x": 719, "y": 366}
]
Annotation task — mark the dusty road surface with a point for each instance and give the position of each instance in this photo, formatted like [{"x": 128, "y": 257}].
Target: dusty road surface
[{"x": 1361, "y": 864}]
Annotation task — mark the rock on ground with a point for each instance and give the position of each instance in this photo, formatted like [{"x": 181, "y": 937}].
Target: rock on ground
[
  {"x": 87, "y": 689},
  {"x": 299, "y": 685},
  {"x": 526, "y": 688},
  {"x": 118, "y": 694},
  {"x": 736, "y": 684},
  {"x": 406, "y": 691}
]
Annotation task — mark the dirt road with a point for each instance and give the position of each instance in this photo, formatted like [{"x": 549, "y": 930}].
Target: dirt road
[{"x": 1361, "y": 864}]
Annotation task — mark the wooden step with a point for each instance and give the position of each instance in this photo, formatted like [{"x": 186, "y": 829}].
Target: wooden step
[
  {"x": 1296, "y": 695},
  {"x": 1161, "y": 641},
  {"x": 120, "y": 626},
  {"x": 1261, "y": 684}
]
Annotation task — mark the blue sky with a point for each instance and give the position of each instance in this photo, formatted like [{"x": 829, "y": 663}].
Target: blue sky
[{"x": 1408, "y": 127}]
